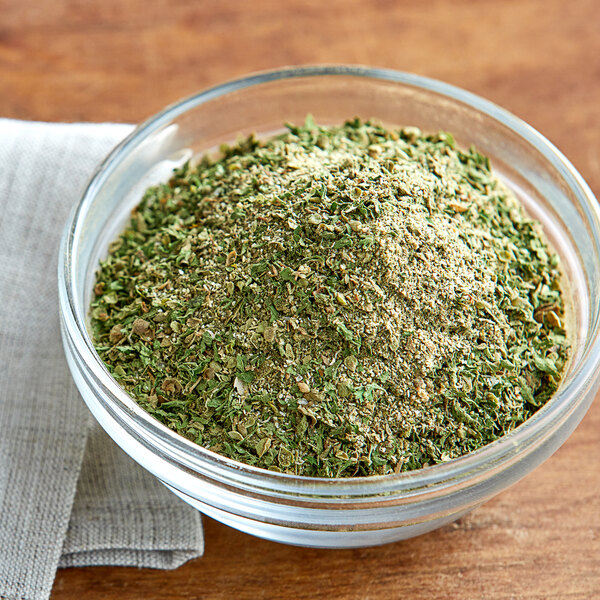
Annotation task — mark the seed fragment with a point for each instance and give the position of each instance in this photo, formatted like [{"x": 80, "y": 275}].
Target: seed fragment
[
  {"x": 304, "y": 389},
  {"x": 142, "y": 328}
]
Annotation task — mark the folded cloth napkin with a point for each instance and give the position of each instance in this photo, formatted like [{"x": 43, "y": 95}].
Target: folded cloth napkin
[{"x": 68, "y": 495}]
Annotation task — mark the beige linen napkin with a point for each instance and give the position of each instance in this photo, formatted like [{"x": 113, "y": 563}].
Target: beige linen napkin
[{"x": 68, "y": 495}]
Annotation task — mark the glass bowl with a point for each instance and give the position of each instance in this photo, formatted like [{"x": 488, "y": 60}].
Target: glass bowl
[{"x": 335, "y": 513}]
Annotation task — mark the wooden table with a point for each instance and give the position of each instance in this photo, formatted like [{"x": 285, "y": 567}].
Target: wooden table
[{"x": 122, "y": 60}]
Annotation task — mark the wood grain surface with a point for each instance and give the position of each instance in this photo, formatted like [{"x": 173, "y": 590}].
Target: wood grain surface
[{"x": 122, "y": 60}]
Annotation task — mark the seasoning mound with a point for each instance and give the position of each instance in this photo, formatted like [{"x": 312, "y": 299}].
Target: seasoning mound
[{"x": 334, "y": 301}]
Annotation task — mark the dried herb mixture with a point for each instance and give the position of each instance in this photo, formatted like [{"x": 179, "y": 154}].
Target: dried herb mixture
[{"x": 335, "y": 301}]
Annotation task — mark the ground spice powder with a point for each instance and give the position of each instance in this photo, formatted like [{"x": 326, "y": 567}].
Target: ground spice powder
[{"x": 335, "y": 301}]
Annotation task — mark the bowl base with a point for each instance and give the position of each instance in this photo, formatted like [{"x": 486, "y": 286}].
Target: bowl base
[{"x": 317, "y": 538}]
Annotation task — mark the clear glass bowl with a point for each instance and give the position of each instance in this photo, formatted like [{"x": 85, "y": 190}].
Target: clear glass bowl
[{"x": 334, "y": 512}]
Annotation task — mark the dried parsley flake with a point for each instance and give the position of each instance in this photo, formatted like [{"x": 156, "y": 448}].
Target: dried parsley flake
[{"x": 334, "y": 301}]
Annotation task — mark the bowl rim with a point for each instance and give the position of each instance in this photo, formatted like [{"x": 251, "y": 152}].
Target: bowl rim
[{"x": 186, "y": 452}]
